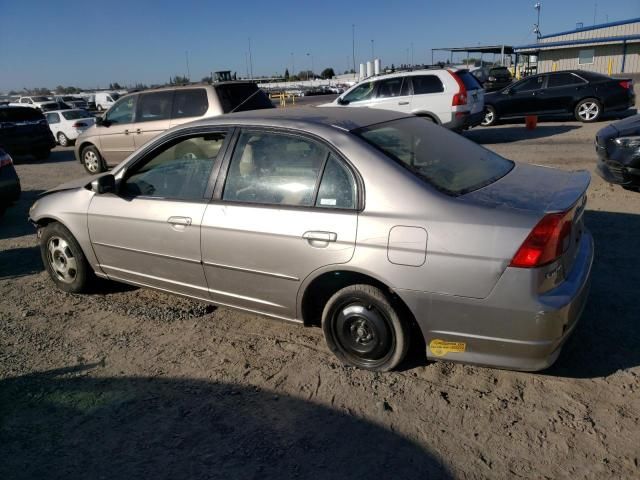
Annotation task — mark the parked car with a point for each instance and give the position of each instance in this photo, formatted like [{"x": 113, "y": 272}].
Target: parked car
[
  {"x": 67, "y": 125},
  {"x": 9, "y": 182},
  {"x": 618, "y": 147},
  {"x": 74, "y": 102},
  {"x": 24, "y": 131},
  {"x": 33, "y": 102},
  {"x": 493, "y": 78},
  {"x": 52, "y": 106},
  {"x": 585, "y": 95},
  {"x": 295, "y": 214},
  {"x": 105, "y": 100},
  {"x": 137, "y": 118},
  {"x": 449, "y": 97}
]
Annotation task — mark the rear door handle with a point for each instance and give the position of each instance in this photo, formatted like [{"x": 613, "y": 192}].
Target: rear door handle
[
  {"x": 184, "y": 221},
  {"x": 320, "y": 239},
  {"x": 138, "y": 131},
  {"x": 403, "y": 103},
  {"x": 126, "y": 132}
]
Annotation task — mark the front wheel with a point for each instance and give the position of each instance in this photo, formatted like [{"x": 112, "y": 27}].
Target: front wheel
[
  {"x": 588, "y": 110},
  {"x": 363, "y": 329},
  {"x": 490, "y": 116},
  {"x": 64, "y": 259}
]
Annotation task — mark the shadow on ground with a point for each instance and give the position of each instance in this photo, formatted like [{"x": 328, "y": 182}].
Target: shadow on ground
[
  {"x": 65, "y": 424},
  {"x": 56, "y": 156},
  {"x": 14, "y": 222},
  {"x": 515, "y": 133},
  {"x": 18, "y": 262},
  {"x": 607, "y": 337}
]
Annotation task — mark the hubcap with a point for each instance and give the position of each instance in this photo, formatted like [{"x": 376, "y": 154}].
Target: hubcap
[
  {"x": 362, "y": 332},
  {"x": 91, "y": 161},
  {"x": 62, "y": 140},
  {"x": 588, "y": 111},
  {"x": 488, "y": 118},
  {"x": 61, "y": 259}
]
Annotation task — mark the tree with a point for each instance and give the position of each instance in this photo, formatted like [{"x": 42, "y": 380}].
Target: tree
[
  {"x": 178, "y": 80},
  {"x": 328, "y": 73},
  {"x": 207, "y": 79},
  {"x": 286, "y": 75},
  {"x": 115, "y": 86}
]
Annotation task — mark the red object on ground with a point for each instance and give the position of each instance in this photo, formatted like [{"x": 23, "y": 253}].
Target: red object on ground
[{"x": 531, "y": 121}]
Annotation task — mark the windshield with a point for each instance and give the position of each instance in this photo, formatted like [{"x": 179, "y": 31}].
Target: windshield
[
  {"x": 114, "y": 96},
  {"x": 75, "y": 114},
  {"x": 446, "y": 160},
  {"x": 500, "y": 72}
]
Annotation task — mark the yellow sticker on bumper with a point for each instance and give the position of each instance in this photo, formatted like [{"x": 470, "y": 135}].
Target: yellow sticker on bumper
[{"x": 440, "y": 348}]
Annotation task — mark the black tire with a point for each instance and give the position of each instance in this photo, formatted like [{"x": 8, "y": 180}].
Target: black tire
[
  {"x": 490, "y": 116},
  {"x": 588, "y": 110},
  {"x": 64, "y": 260},
  {"x": 363, "y": 329},
  {"x": 42, "y": 154},
  {"x": 92, "y": 161},
  {"x": 63, "y": 141}
]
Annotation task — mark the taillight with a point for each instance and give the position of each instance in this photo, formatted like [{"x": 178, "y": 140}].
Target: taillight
[
  {"x": 626, "y": 84},
  {"x": 459, "y": 98},
  {"x": 548, "y": 240},
  {"x": 80, "y": 125},
  {"x": 5, "y": 159}
]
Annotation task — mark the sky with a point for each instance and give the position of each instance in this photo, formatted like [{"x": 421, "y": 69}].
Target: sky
[{"x": 45, "y": 43}]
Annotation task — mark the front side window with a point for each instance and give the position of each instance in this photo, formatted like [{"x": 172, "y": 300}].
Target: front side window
[
  {"x": 122, "y": 111},
  {"x": 274, "y": 169},
  {"x": 585, "y": 57},
  {"x": 427, "y": 84},
  {"x": 391, "y": 87},
  {"x": 527, "y": 85},
  {"x": 443, "y": 159},
  {"x": 154, "y": 106},
  {"x": 563, "y": 80},
  {"x": 190, "y": 103},
  {"x": 179, "y": 171},
  {"x": 362, "y": 92}
]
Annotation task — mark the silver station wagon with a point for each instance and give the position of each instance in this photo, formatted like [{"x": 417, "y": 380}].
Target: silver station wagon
[{"x": 380, "y": 227}]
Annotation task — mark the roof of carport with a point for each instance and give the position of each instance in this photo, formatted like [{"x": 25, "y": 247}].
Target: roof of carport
[{"x": 508, "y": 49}]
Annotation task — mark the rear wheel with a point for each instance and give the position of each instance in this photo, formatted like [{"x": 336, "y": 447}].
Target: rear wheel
[
  {"x": 92, "y": 160},
  {"x": 363, "y": 329},
  {"x": 588, "y": 110},
  {"x": 64, "y": 259},
  {"x": 63, "y": 141},
  {"x": 490, "y": 116}
]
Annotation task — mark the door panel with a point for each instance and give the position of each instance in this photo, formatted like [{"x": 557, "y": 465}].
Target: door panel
[
  {"x": 256, "y": 257},
  {"x": 521, "y": 99},
  {"x": 150, "y": 241},
  {"x": 116, "y": 139},
  {"x": 153, "y": 115},
  {"x": 390, "y": 95}
]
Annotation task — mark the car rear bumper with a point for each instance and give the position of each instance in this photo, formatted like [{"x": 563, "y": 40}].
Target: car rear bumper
[
  {"x": 463, "y": 120},
  {"x": 515, "y": 327}
]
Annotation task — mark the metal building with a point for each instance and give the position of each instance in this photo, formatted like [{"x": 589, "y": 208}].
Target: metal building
[{"x": 609, "y": 48}]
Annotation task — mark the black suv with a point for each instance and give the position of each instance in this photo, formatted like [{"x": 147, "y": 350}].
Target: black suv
[
  {"x": 493, "y": 78},
  {"x": 25, "y": 131}
]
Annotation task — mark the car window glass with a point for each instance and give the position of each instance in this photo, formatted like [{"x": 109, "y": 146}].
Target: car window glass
[
  {"x": 362, "y": 92},
  {"x": 407, "y": 88},
  {"x": 53, "y": 118},
  {"x": 427, "y": 84},
  {"x": 533, "y": 83},
  {"x": 240, "y": 97},
  {"x": 337, "y": 187},
  {"x": 562, "y": 80},
  {"x": 154, "y": 106},
  {"x": 75, "y": 114},
  {"x": 274, "y": 169},
  {"x": 122, "y": 111},
  {"x": 190, "y": 103},
  {"x": 179, "y": 171},
  {"x": 389, "y": 88}
]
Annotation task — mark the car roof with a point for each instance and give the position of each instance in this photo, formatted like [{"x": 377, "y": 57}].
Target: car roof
[
  {"x": 344, "y": 118},
  {"x": 404, "y": 73}
]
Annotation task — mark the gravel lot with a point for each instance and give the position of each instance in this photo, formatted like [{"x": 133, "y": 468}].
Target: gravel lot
[{"x": 130, "y": 383}]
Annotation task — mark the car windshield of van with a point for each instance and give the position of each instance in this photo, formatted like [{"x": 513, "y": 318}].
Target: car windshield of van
[{"x": 447, "y": 161}]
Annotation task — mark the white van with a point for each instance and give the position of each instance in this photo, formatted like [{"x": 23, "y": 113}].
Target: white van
[{"x": 104, "y": 100}]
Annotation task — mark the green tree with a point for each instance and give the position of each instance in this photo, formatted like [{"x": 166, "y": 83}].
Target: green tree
[
  {"x": 328, "y": 73},
  {"x": 286, "y": 75},
  {"x": 178, "y": 80}
]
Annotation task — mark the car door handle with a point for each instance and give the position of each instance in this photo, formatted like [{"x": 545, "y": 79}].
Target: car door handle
[
  {"x": 126, "y": 132},
  {"x": 320, "y": 239},
  {"x": 184, "y": 221},
  {"x": 138, "y": 131},
  {"x": 403, "y": 103}
]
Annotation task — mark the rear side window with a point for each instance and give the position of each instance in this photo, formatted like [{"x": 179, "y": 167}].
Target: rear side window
[
  {"x": 470, "y": 82},
  {"x": 427, "y": 84},
  {"x": 240, "y": 97},
  {"x": 53, "y": 118},
  {"x": 20, "y": 114},
  {"x": 563, "y": 80},
  {"x": 190, "y": 103},
  {"x": 154, "y": 106},
  {"x": 391, "y": 87},
  {"x": 337, "y": 187}
]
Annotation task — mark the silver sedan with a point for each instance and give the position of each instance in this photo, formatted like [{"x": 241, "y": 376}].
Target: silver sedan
[{"x": 379, "y": 227}]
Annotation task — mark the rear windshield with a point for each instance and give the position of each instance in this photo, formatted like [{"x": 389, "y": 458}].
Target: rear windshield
[
  {"x": 501, "y": 72},
  {"x": 40, "y": 99},
  {"x": 470, "y": 82},
  {"x": 239, "y": 97},
  {"x": 447, "y": 161},
  {"x": 20, "y": 114},
  {"x": 75, "y": 114}
]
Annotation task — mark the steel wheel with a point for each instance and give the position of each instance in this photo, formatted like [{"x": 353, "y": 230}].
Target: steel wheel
[
  {"x": 91, "y": 161},
  {"x": 63, "y": 140},
  {"x": 61, "y": 259}
]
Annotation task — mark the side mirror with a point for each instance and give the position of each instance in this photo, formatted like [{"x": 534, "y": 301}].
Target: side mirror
[
  {"x": 104, "y": 184},
  {"x": 342, "y": 101}
]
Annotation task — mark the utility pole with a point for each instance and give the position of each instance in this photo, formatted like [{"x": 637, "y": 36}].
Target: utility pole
[
  {"x": 536, "y": 27},
  {"x": 293, "y": 65},
  {"x": 353, "y": 45},
  {"x": 186, "y": 54},
  {"x": 246, "y": 62},
  {"x": 250, "y": 61},
  {"x": 595, "y": 12},
  {"x": 373, "y": 55},
  {"x": 412, "y": 54}
]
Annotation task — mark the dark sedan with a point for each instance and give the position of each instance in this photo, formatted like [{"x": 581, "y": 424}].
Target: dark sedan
[
  {"x": 618, "y": 147},
  {"x": 585, "y": 95},
  {"x": 9, "y": 182},
  {"x": 493, "y": 78}
]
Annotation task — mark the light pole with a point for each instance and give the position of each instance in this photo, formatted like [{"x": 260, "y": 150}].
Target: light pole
[
  {"x": 186, "y": 54},
  {"x": 250, "y": 61},
  {"x": 353, "y": 46},
  {"x": 373, "y": 55},
  {"x": 311, "y": 57},
  {"x": 293, "y": 65},
  {"x": 412, "y": 54},
  {"x": 536, "y": 29}
]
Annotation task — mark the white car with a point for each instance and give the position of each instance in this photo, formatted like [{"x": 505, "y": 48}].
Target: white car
[
  {"x": 67, "y": 125},
  {"x": 34, "y": 101},
  {"x": 450, "y": 97},
  {"x": 104, "y": 100}
]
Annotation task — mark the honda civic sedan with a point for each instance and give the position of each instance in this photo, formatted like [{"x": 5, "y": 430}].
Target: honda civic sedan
[{"x": 379, "y": 227}]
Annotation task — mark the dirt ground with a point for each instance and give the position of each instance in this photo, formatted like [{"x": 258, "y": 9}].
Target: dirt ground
[{"x": 131, "y": 383}]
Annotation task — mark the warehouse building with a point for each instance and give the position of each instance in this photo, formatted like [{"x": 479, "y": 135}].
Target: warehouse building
[{"x": 610, "y": 48}]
